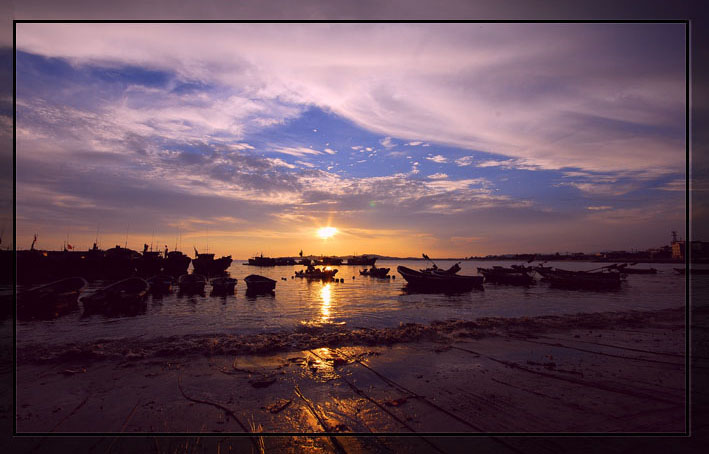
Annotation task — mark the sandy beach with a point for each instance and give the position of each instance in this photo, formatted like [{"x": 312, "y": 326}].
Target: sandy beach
[{"x": 616, "y": 372}]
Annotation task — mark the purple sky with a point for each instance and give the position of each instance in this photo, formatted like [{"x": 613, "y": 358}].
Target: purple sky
[
  {"x": 587, "y": 202},
  {"x": 457, "y": 138}
]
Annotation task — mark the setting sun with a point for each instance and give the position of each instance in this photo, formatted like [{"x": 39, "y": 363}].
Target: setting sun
[{"x": 326, "y": 232}]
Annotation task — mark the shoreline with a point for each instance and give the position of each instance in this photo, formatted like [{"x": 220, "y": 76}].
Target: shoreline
[
  {"x": 617, "y": 372},
  {"x": 333, "y": 335}
]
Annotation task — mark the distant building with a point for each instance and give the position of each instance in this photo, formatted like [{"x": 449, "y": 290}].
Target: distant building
[
  {"x": 678, "y": 250},
  {"x": 700, "y": 249}
]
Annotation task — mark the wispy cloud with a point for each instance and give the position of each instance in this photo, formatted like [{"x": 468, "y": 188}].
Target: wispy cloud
[
  {"x": 296, "y": 151},
  {"x": 464, "y": 161},
  {"x": 674, "y": 185},
  {"x": 603, "y": 189},
  {"x": 438, "y": 176},
  {"x": 280, "y": 163},
  {"x": 309, "y": 165},
  {"x": 387, "y": 142},
  {"x": 440, "y": 159}
]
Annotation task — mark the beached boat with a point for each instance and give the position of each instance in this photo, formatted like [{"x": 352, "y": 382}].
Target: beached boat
[
  {"x": 375, "y": 272},
  {"x": 192, "y": 283},
  {"x": 160, "y": 284},
  {"x": 316, "y": 273},
  {"x": 691, "y": 271},
  {"x": 256, "y": 283},
  {"x": 510, "y": 276},
  {"x": 223, "y": 285},
  {"x": 440, "y": 280},
  {"x": 123, "y": 294},
  {"x": 54, "y": 298},
  {"x": 626, "y": 270},
  {"x": 207, "y": 265}
]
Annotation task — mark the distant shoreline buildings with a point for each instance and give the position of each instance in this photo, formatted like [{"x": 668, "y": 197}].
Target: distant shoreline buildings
[
  {"x": 674, "y": 252},
  {"x": 698, "y": 249}
]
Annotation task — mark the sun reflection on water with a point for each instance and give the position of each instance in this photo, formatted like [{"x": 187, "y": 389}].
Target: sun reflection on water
[{"x": 326, "y": 299}]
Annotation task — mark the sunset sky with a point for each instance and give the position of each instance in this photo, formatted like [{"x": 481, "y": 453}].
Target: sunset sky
[{"x": 454, "y": 139}]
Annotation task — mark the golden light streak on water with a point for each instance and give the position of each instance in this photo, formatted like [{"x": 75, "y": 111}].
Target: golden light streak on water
[{"x": 326, "y": 301}]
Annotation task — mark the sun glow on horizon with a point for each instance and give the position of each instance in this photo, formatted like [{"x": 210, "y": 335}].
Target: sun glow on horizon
[{"x": 326, "y": 232}]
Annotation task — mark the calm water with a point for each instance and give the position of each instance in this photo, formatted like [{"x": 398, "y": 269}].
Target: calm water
[{"x": 360, "y": 302}]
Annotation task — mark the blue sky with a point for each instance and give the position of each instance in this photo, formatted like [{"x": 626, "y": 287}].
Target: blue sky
[{"x": 457, "y": 139}]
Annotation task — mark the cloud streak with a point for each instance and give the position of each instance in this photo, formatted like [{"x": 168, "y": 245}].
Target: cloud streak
[{"x": 555, "y": 95}]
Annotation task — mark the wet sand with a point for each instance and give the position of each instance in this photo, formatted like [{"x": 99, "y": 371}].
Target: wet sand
[{"x": 582, "y": 374}]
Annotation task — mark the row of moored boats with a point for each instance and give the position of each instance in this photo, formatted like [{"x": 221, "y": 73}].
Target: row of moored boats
[
  {"x": 62, "y": 296},
  {"x": 115, "y": 263},
  {"x": 607, "y": 277}
]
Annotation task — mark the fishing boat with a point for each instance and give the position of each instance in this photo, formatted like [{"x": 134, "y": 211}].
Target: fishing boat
[
  {"x": 605, "y": 279},
  {"x": 375, "y": 272},
  {"x": 119, "y": 262},
  {"x": 207, "y": 265},
  {"x": 176, "y": 263},
  {"x": 160, "y": 284},
  {"x": 192, "y": 283},
  {"x": 258, "y": 284},
  {"x": 149, "y": 263},
  {"x": 120, "y": 295},
  {"x": 329, "y": 261},
  {"x": 223, "y": 285},
  {"x": 316, "y": 273},
  {"x": 510, "y": 276},
  {"x": 440, "y": 280},
  {"x": 53, "y": 298},
  {"x": 32, "y": 266},
  {"x": 362, "y": 260},
  {"x": 262, "y": 261},
  {"x": 436, "y": 270}
]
